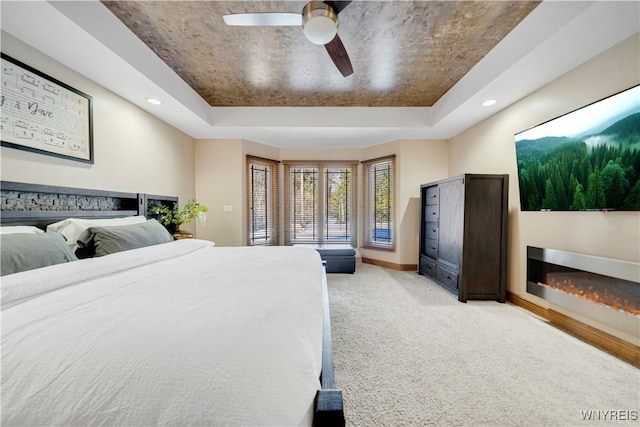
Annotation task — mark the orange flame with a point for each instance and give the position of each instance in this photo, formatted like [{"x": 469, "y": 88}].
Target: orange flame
[{"x": 590, "y": 294}]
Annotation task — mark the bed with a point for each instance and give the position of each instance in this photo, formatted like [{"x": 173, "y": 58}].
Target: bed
[{"x": 176, "y": 333}]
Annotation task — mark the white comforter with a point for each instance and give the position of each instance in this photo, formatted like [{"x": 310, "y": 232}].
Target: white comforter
[{"x": 181, "y": 334}]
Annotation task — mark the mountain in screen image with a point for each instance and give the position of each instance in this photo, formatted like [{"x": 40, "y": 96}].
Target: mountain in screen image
[{"x": 599, "y": 170}]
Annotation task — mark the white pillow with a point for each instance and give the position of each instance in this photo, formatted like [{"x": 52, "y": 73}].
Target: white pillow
[
  {"x": 72, "y": 228},
  {"x": 13, "y": 229}
]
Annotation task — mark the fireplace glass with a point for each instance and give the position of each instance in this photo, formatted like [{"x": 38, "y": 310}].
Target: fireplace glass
[
  {"x": 616, "y": 293},
  {"x": 602, "y": 289}
]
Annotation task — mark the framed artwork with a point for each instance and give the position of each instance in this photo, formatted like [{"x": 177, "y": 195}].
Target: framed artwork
[{"x": 43, "y": 115}]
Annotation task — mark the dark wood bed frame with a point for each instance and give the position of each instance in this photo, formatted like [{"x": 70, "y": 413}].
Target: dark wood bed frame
[{"x": 40, "y": 205}]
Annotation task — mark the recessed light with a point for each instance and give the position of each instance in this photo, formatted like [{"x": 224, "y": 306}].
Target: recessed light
[
  {"x": 154, "y": 101},
  {"x": 489, "y": 102}
]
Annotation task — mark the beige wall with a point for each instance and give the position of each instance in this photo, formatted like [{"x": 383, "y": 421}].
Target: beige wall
[
  {"x": 220, "y": 180},
  {"x": 417, "y": 162},
  {"x": 133, "y": 150},
  {"x": 489, "y": 148},
  {"x": 420, "y": 162},
  {"x": 219, "y": 183}
]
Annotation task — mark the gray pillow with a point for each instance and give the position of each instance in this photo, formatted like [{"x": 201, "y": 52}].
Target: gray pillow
[
  {"x": 27, "y": 251},
  {"x": 117, "y": 238}
]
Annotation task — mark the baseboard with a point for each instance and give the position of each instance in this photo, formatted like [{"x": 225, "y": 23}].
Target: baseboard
[
  {"x": 391, "y": 265},
  {"x": 623, "y": 349},
  {"x": 528, "y": 305}
]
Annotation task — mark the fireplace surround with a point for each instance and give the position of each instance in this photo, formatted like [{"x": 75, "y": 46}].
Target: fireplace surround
[{"x": 605, "y": 290}]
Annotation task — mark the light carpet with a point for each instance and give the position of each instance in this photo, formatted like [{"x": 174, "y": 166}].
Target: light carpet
[{"x": 407, "y": 353}]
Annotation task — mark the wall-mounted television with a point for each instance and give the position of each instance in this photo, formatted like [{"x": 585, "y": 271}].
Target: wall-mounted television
[{"x": 588, "y": 159}]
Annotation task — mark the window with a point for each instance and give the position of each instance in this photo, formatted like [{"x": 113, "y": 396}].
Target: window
[
  {"x": 262, "y": 199},
  {"x": 303, "y": 205},
  {"x": 319, "y": 203},
  {"x": 379, "y": 177},
  {"x": 338, "y": 204}
]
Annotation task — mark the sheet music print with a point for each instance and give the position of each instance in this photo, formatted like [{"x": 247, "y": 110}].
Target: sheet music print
[{"x": 38, "y": 114}]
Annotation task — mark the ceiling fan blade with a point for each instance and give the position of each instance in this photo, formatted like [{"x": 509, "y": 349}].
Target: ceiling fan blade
[
  {"x": 338, "y": 5},
  {"x": 338, "y": 54},
  {"x": 268, "y": 19}
]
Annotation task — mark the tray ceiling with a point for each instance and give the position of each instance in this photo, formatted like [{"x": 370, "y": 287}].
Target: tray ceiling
[
  {"x": 404, "y": 53},
  {"x": 551, "y": 40}
]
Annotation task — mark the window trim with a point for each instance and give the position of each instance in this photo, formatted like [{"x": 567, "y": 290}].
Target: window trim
[
  {"x": 274, "y": 192},
  {"x": 321, "y": 166},
  {"x": 367, "y": 243}
]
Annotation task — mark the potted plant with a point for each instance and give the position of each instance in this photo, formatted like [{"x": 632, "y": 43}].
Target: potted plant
[{"x": 173, "y": 218}]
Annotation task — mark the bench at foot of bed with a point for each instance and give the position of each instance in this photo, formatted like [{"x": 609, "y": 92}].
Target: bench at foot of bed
[{"x": 339, "y": 258}]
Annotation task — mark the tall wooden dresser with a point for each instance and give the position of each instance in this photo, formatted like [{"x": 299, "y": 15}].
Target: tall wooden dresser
[{"x": 463, "y": 234}]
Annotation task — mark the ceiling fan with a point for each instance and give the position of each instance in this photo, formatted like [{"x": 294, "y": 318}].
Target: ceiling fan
[{"x": 319, "y": 20}]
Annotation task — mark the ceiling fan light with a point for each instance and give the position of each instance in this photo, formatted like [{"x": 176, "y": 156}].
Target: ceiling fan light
[
  {"x": 320, "y": 30},
  {"x": 319, "y": 22}
]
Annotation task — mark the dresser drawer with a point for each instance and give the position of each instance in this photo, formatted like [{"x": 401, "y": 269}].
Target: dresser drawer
[
  {"x": 431, "y": 248},
  {"x": 432, "y": 196},
  {"x": 431, "y": 230},
  {"x": 447, "y": 277},
  {"x": 427, "y": 266},
  {"x": 431, "y": 213}
]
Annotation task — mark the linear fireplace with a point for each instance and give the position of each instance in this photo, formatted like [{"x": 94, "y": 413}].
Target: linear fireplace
[{"x": 605, "y": 290}]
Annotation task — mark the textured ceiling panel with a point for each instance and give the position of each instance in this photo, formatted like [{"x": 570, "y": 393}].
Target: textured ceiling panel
[{"x": 404, "y": 53}]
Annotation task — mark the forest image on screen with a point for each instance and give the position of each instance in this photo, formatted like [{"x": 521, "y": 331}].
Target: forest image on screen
[{"x": 588, "y": 159}]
